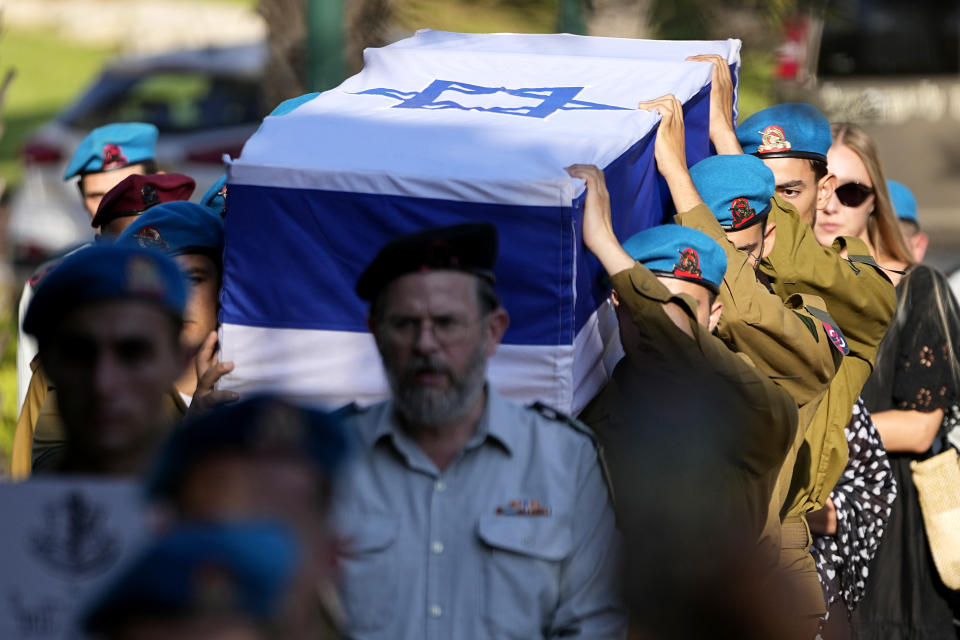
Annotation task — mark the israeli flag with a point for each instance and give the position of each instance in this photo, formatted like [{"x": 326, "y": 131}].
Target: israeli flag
[{"x": 442, "y": 129}]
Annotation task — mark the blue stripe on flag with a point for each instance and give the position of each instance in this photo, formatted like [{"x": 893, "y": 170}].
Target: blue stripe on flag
[
  {"x": 293, "y": 256},
  {"x": 639, "y": 198}
]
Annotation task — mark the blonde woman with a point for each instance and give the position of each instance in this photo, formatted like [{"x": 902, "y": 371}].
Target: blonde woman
[{"x": 915, "y": 379}]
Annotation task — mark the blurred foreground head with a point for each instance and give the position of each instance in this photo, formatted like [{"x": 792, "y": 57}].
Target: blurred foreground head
[
  {"x": 260, "y": 458},
  {"x": 201, "y": 582},
  {"x": 692, "y": 566},
  {"x": 107, "y": 322}
]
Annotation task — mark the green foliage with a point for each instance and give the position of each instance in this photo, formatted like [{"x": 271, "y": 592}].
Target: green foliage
[
  {"x": 478, "y": 16},
  {"x": 50, "y": 72}
]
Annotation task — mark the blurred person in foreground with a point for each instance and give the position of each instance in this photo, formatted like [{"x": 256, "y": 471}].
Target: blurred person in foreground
[
  {"x": 102, "y": 160},
  {"x": 261, "y": 458},
  {"x": 466, "y": 514},
  {"x": 39, "y": 427},
  {"x": 107, "y": 321},
  {"x": 202, "y": 582},
  {"x": 914, "y": 384}
]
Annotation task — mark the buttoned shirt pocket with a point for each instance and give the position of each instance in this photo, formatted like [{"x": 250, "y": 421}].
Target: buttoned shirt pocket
[
  {"x": 370, "y": 572},
  {"x": 521, "y": 572}
]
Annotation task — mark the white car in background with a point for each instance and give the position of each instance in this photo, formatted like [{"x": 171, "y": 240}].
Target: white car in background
[{"x": 205, "y": 102}]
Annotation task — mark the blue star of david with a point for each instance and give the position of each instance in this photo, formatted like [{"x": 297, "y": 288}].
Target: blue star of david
[{"x": 548, "y": 100}]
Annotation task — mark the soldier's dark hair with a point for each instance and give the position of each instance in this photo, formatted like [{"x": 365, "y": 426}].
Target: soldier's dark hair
[
  {"x": 487, "y": 300},
  {"x": 819, "y": 169}
]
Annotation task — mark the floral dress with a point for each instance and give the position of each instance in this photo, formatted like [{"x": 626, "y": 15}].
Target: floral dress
[{"x": 863, "y": 499}]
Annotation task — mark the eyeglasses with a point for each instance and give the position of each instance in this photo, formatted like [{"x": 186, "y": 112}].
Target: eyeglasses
[
  {"x": 446, "y": 329},
  {"x": 852, "y": 194}
]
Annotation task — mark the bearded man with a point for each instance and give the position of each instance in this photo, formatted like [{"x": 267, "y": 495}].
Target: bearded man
[{"x": 466, "y": 515}]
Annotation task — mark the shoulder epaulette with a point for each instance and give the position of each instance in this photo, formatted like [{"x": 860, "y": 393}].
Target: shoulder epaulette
[
  {"x": 830, "y": 327},
  {"x": 550, "y": 413}
]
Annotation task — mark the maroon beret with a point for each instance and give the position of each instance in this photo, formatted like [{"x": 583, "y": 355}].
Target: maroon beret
[{"x": 135, "y": 194}]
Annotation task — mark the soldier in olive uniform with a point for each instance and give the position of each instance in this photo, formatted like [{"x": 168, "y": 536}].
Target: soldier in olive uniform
[
  {"x": 858, "y": 295},
  {"x": 665, "y": 283},
  {"x": 792, "y": 141}
]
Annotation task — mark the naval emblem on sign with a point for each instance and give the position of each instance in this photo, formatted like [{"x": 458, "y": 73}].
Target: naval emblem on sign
[
  {"x": 543, "y": 101},
  {"x": 773, "y": 139},
  {"x": 689, "y": 264}
]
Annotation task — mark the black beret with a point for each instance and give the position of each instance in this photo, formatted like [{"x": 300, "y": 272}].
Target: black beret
[{"x": 471, "y": 248}]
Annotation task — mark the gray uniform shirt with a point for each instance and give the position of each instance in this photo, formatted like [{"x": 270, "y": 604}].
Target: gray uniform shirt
[{"x": 514, "y": 539}]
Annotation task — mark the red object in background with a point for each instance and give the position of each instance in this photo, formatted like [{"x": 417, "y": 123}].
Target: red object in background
[
  {"x": 41, "y": 153},
  {"x": 214, "y": 156},
  {"x": 792, "y": 54}
]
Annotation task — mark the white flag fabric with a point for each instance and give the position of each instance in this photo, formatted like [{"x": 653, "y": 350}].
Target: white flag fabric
[{"x": 443, "y": 129}]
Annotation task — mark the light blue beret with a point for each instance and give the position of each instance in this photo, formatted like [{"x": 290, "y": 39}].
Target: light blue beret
[
  {"x": 791, "y": 130},
  {"x": 679, "y": 252},
  {"x": 736, "y": 188},
  {"x": 244, "y": 568},
  {"x": 904, "y": 204},
  {"x": 175, "y": 228},
  {"x": 105, "y": 272},
  {"x": 113, "y": 146},
  {"x": 215, "y": 198}
]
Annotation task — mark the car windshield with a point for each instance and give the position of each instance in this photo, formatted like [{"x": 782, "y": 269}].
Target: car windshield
[
  {"x": 890, "y": 37},
  {"x": 175, "y": 101}
]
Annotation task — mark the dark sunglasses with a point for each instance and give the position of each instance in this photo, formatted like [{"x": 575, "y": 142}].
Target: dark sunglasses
[{"x": 853, "y": 194}]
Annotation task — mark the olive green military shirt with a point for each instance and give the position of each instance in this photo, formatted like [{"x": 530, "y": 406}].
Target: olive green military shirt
[
  {"x": 782, "y": 338},
  {"x": 861, "y": 299},
  {"x": 767, "y": 436}
]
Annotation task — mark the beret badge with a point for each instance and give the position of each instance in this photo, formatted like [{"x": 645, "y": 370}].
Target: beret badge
[
  {"x": 150, "y": 238},
  {"x": 773, "y": 139},
  {"x": 689, "y": 264},
  {"x": 113, "y": 156},
  {"x": 741, "y": 211}
]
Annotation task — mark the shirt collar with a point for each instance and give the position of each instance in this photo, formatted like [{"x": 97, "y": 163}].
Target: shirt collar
[{"x": 496, "y": 423}]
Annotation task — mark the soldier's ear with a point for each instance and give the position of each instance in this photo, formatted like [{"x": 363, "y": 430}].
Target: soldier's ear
[
  {"x": 614, "y": 298},
  {"x": 825, "y": 188},
  {"x": 769, "y": 238},
  {"x": 497, "y": 322},
  {"x": 715, "y": 310}
]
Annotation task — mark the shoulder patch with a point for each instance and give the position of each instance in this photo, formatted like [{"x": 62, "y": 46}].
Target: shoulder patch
[
  {"x": 550, "y": 413},
  {"x": 831, "y": 328}
]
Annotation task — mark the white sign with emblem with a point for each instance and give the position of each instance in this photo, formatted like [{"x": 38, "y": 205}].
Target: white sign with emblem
[{"x": 61, "y": 541}]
